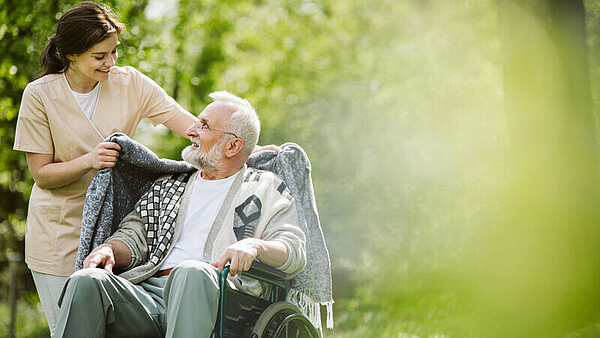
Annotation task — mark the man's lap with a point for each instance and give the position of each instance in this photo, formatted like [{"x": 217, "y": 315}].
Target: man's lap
[
  {"x": 148, "y": 295},
  {"x": 121, "y": 303}
]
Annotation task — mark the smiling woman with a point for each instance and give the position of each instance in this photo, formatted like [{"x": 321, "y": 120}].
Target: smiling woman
[{"x": 65, "y": 115}]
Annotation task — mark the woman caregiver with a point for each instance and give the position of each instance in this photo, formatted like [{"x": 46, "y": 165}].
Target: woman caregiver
[{"x": 64, "y": 117}]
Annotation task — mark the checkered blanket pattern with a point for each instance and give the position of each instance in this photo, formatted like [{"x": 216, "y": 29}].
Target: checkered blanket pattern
[{"x": 158, "y": 209}]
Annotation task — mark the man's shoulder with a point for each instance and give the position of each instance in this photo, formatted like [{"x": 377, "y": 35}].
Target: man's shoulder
[
  {"x": 260, "y": 176},
  {"x": 267, "y": 180}
]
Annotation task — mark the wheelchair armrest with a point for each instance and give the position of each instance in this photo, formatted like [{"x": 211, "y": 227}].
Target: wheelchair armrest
[
  {"x": 259, "y": 271},
  {"x": 265, "y": 273}
]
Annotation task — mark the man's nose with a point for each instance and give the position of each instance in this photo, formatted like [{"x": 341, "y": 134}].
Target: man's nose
[{"x": 191, "y": 131}]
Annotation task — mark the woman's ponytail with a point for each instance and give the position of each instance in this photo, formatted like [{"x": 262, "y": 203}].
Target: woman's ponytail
[{"x": 51, "y": 60}]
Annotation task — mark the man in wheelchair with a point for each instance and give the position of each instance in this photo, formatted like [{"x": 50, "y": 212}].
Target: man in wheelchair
[{"x": 169, "y": 250}]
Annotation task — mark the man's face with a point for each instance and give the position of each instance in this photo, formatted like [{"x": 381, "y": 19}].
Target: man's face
[{"x": 207, "y": 146}]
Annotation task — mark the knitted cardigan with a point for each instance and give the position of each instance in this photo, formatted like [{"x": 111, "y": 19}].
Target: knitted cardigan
[{"x": 257, "y": 205}]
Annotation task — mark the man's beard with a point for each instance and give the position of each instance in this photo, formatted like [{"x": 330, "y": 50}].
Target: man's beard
[{"x": 204, "y": 161}]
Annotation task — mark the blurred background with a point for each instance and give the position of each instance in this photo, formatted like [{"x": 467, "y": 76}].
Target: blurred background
[{"x": 453, "y": 144}]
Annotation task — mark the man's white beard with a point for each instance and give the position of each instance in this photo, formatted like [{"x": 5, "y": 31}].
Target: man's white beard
[{"x": 203, "y": 161}]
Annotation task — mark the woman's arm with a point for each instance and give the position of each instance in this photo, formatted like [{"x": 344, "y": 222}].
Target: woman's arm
[
  {"x": 49, "y": 174},
  {"x": 180, "y": 123}
]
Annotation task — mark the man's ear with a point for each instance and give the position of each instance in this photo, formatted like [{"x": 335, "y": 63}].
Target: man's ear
[{"x": 233, "y": 147}]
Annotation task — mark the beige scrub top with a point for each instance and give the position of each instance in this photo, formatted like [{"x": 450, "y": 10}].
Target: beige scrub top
[{"x": 51, "y": 122}]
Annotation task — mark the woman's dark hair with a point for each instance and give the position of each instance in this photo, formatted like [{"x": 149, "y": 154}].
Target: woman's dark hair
[{"x": 81, "y": 27}]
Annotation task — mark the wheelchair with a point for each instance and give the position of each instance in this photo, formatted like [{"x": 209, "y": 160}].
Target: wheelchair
[{"x": 243, "y": 315}]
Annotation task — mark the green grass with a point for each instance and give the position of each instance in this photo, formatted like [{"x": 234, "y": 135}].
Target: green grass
[
  {"x": 427, "y": 306},
  {"x": 431, "y": 306}
]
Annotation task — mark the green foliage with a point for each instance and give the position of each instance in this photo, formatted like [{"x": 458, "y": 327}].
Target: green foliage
[
  {"x": 30, "y": 320},
  {"x": 20, "y": 44}
]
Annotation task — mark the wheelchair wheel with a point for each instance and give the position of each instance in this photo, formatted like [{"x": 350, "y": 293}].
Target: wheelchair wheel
[{"x": 283, "y": 319}]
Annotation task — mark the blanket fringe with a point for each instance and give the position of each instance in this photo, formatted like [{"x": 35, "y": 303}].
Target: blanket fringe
[
  {"x": 311, "y": 309},
  {"x": 329, "y": 306}
]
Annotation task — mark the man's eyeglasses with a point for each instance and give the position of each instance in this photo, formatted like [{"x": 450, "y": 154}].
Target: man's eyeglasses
[{"x": 200, "y": 125}]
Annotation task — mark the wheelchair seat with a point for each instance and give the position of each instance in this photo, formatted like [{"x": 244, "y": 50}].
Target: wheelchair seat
[{"x": 243, "y": 315}]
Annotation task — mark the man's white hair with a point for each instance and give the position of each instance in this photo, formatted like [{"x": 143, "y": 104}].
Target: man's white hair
[{"x": 244, "y": 121}]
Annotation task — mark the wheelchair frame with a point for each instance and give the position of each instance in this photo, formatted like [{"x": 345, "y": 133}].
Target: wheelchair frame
[{"x": 274, "y": 320}]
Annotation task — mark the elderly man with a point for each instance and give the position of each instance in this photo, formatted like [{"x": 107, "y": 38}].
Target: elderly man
[{"x": 182, "y": 232}]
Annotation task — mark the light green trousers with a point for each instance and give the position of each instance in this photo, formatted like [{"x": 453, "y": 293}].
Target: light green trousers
[{"x": 96, "y": 303}]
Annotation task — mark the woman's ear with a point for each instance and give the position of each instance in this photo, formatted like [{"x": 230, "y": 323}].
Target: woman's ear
[
  {"x": 233, "y": 147},
  {"x": 71, "y": 57}
]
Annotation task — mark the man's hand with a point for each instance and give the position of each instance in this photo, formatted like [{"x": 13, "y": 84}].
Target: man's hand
[
  {"x": 240, "y": 256},
  {"x": 103, "y": 256}
]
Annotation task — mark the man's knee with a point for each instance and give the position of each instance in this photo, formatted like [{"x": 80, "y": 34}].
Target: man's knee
[
  {"x": 86, "y": 279},
  {"x": 197, "y": 272},
  {"x": 90, "y": 274},
  {"x": 193, "y": 289},
  {"x": 82, "y": 284},
  {"x": 193, "y": 268}
]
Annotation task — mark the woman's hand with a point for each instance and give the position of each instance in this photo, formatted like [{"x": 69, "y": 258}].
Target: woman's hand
[
  {"x": 271, "y": 147},
  {"x": 49, "y": 174},
  {"x": 105, "y": 155}
]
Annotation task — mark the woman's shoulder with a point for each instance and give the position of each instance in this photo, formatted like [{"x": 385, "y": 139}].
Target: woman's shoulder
[
  {"x": 126, "y": 75},
  {"x": 126, "y": 72},
  {"x": 48, "y": 84},
  {"x": 46, "y": 80}
]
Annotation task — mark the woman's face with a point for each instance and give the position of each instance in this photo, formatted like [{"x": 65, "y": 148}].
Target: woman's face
[{"x": 93, "y": 65}]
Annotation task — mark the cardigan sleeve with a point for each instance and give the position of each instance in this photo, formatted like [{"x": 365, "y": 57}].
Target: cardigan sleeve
[
  {"x": 282, "y": 226},
  {"x": 132, "y": 232}
]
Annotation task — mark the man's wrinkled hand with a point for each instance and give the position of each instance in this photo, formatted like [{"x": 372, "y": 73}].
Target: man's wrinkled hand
[
  {"x": 239, "y": 255},
  {"x": 103, "y": 256}
]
